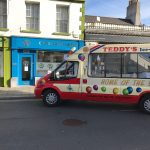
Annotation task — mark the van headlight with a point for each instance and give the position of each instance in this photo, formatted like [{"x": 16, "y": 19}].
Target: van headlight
[{"x": 40, "y": 83}]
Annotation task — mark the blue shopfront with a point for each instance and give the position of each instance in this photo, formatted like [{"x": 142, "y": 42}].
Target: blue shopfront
[{"x": 35, "y": 57}]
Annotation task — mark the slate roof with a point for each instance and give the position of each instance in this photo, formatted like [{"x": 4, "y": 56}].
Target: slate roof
[
  {"x": 105, "y": 38},
  {"x": 107, "y": 20}
]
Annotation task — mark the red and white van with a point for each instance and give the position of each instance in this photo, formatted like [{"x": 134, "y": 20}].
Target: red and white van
[{"x": 118, "y": 73}]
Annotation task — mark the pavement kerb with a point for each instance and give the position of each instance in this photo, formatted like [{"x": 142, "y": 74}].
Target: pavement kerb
[{"x": 17, "y": 93}]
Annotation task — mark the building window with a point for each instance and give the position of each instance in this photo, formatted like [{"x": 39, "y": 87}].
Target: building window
[
  {"x": 3, "y": 14},
  {"x": 62, "y": 19},
  {"x": 32, "y": 16},
  {"x": 48, "y": 61}
]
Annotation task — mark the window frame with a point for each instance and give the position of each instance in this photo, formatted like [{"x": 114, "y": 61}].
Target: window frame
[
  {"x": 136, "y": 66},
  {"x": 4, "y": 14},
  {"x": 58, "y": 28},
  {"x": 104, "y": 67},
  {"x": 121, "y": 66},
  {"x": 53, "y": 75},
  {"x": 34, "y": 23}
]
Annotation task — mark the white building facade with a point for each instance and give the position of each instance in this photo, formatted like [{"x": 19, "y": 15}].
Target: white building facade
[
  {"x": 40, "y": 16},
  {"x": 40, "y": 33}
]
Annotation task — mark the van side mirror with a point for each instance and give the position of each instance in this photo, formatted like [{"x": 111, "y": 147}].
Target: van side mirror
[{"x": 57, "y": 75}]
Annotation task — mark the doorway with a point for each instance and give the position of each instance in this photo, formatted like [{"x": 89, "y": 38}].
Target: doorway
[{"x": 26, "y": 70}]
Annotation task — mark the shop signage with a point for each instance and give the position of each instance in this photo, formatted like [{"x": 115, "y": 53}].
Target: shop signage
[
  {"x": 120, "y": 49},
  {"x": 49, "y": 43},
  {"x": 45, "y": 44}
]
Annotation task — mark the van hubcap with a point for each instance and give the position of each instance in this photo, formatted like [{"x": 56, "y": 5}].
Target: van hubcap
[
  {"x": 51, "y": 98},
  {"x": 147, "y": 105}
]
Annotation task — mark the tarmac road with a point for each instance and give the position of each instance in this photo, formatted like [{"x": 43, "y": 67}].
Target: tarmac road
[{"x": 29, "y": 125}]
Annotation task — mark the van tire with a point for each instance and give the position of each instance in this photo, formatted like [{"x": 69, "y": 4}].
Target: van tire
[
  {"x": 51, "y": 98},
  {"x": 145, "y": 103}
]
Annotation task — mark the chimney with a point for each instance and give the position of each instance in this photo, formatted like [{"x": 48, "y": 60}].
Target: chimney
[{"x": 133, "y": 12}]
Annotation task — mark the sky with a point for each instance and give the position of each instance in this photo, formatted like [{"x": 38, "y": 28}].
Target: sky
[{"x": 116, "y": 9}]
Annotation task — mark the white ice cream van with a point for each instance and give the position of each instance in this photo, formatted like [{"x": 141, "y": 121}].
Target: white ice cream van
[{"x": 118, "y": 73}]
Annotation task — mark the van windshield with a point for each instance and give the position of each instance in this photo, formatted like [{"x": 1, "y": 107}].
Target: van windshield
[{"x": 68, "y": 69}]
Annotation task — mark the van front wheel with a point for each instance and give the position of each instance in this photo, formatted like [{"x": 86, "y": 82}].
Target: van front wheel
[
  {"x": 145, "y": 103},
  {"x": 51, "y": 98}
]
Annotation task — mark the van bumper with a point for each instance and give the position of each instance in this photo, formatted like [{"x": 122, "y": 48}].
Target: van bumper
[{"x": 38, "y": 92}]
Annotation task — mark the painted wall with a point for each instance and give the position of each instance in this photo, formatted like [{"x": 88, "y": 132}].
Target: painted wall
[
  {"x": 1, "y": 63},
  {"x": 5, "y": 62}
]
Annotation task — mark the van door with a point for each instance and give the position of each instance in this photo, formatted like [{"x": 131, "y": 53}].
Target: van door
[{"x": 67, "y": 80}]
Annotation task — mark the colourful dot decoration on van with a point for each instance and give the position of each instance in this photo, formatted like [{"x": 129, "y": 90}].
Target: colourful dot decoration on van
[
  {"x": 88, "y": 89},
  {"x": 95, "y": 87},
  {"x": 116, "y": 91},
  {"x": 125, "y": 92},
  {"x": 130, "y": 89},
  {"x": 81, "y": 57},
  {"x": 139, "y": 90},
  {"x": 103, "y": 89}
]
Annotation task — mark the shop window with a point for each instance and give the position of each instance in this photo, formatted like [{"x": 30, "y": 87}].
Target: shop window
[
  {"x": 32, "y": 16},
  {"x": 3, "y": 14},
  {"x": 48, "y": 61},
  {"x": 62, "y": 18}
]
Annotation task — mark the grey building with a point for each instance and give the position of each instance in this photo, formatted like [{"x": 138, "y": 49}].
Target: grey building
[{"x": 100, "y": 29}]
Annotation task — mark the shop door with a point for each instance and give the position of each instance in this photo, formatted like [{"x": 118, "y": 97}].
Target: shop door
[{"x": 26, "y": 70}]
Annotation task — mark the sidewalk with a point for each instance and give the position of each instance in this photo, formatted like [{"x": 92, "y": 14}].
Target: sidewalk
[{"x": 21, "y": 92}]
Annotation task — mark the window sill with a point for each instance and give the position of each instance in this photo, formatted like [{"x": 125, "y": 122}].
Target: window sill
[
  {"x": 4, "y": 29},
  {"x": 61, "y": 33},
  {"x": 31, "y": 31}
]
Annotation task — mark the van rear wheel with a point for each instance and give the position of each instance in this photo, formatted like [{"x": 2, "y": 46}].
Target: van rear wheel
[
  {"x": 145, "y": 103},
  {"x": 51, "y": 98}
]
